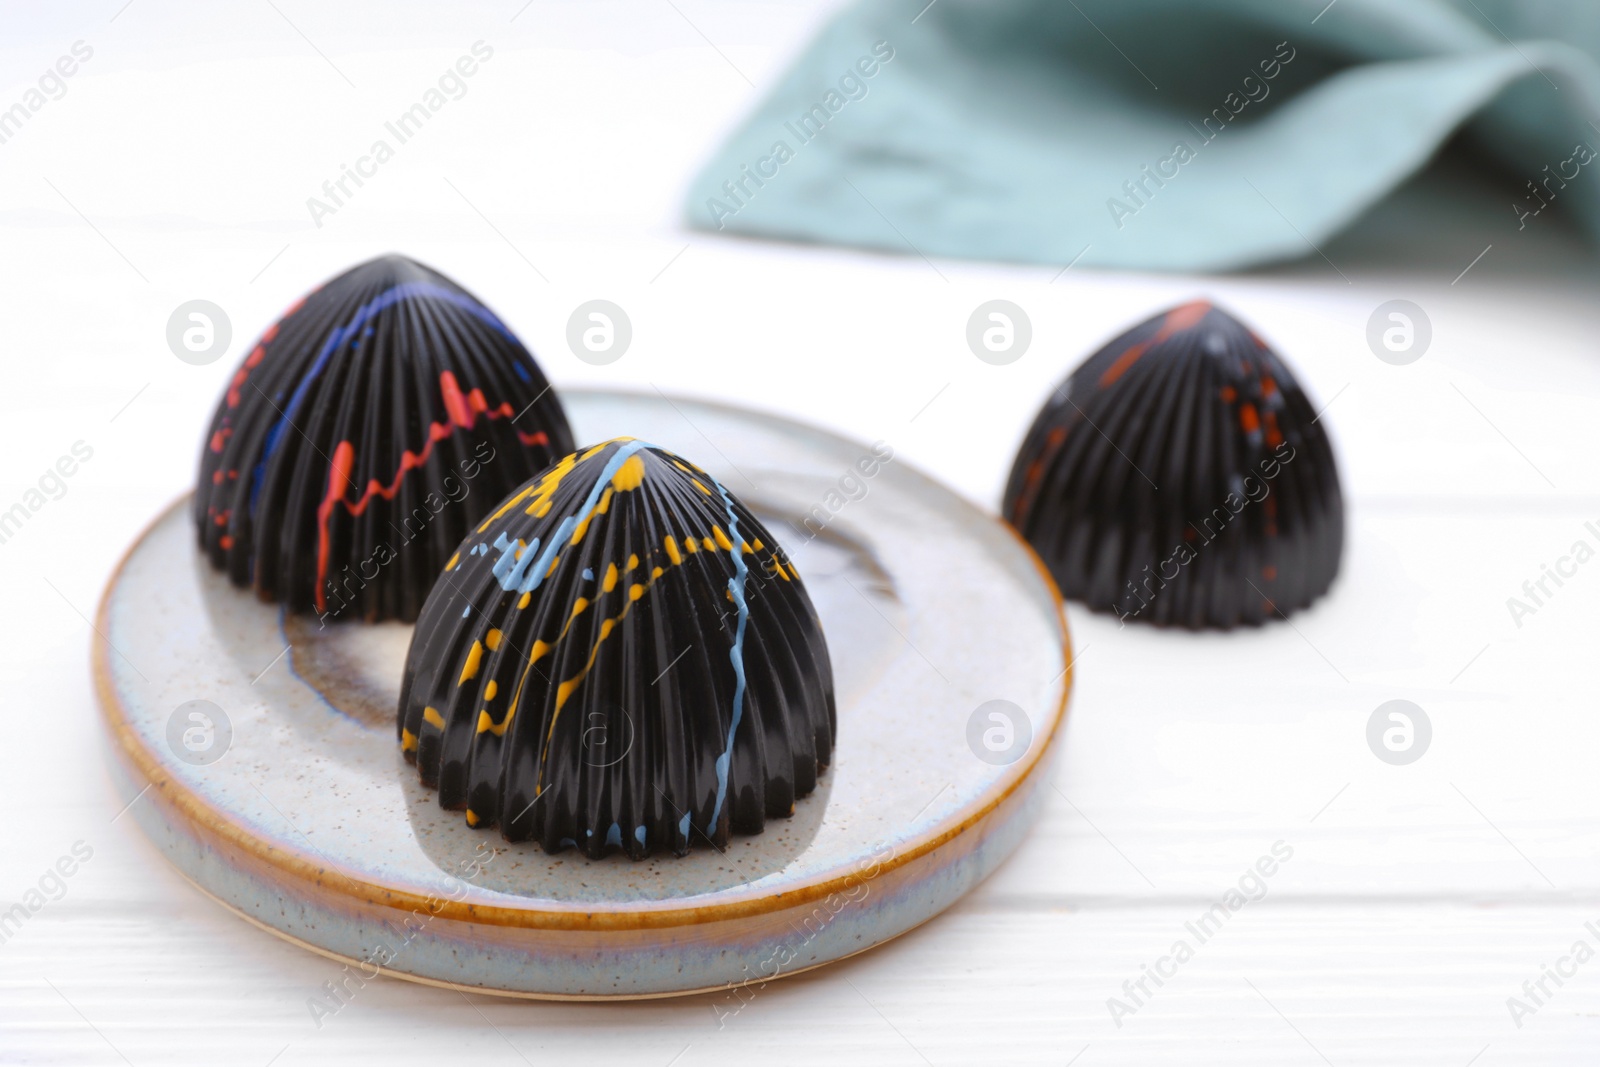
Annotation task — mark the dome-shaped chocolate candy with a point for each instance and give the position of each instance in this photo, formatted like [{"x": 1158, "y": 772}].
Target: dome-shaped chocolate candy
[
  {"x": 1181, "y": 476},
  {"x": 361, "y": 438},
  {"x": 620, "y": 657}
]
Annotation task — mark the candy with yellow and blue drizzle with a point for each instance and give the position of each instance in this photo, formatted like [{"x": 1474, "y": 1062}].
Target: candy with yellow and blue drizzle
[{"x": 619, "y": 657}]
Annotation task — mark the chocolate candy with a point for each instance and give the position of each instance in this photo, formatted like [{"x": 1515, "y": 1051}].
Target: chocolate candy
[
  {"x": 1181, "y": 476},
  {"x": 619, "y": 657},
  {"x": 361, "y": 438}
]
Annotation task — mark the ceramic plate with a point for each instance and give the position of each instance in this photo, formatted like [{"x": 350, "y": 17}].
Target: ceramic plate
[{"x": 262, "y": 750}]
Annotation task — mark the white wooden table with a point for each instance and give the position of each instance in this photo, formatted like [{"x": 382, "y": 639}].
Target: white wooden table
[{"x": 1418, "y": 898}]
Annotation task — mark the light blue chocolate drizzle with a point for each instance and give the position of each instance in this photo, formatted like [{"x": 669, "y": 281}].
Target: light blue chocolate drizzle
[
  {"x": 527, "y": 574},
  {"x": 736, "y": 654}
]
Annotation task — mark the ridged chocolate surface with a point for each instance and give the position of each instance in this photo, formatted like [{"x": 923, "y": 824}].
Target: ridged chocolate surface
[
  {"x": 619, "y": 657},
  {"x": 363, "y": 435},
  {"x": 1181, "y": 476}
]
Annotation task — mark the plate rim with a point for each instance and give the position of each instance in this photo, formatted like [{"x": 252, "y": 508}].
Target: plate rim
[
  {"x": 523, "y": 994},
  {"x": 294, "y": 865}
]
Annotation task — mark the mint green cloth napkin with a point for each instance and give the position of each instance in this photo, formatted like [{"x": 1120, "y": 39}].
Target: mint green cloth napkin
[{"x": 1182, "y": 135}]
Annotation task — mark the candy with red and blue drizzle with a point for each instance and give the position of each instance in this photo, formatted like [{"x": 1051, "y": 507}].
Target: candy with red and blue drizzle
[
  {"x": 619, "y": 658},
  {"x": 361, "y": 438},
  {"x": 1181, "y": 476}
]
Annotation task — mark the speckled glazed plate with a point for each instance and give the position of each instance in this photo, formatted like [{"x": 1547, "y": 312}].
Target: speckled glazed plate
[{"x": 288, "y": 800}]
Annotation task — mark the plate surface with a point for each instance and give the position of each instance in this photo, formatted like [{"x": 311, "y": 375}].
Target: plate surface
[{"x": 289, "y": 800}]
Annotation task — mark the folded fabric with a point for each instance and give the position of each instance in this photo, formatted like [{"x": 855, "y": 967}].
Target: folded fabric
[{"x": 1154, "y": 134}]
